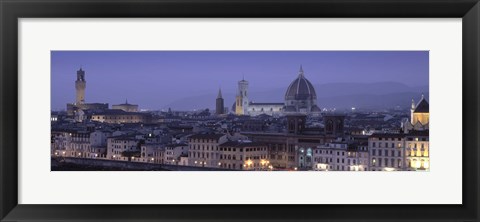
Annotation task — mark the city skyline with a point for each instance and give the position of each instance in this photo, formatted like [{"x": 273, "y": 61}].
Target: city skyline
[
  {"x": 139, "y": 76},
  {"x": 293, "y": 128}
]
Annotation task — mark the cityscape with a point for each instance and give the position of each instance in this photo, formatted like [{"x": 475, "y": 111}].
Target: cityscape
[{"x": 368, "y": 112}]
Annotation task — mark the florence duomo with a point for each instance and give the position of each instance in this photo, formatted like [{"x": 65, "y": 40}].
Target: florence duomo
[
  {"x": 300, "y": 97},
  {"x": 331, "y": 113}
]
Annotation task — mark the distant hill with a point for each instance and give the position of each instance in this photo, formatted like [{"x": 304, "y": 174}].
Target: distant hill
[
  {"x": 368, "y": 101},
  {"x": 338, "y": 95}
]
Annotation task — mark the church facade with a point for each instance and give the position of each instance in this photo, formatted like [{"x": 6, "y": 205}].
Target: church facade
[{"x": 419, "y": 117}]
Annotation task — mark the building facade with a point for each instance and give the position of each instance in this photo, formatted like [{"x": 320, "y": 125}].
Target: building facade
[
  {"x": 118, "y": 145},
  {"x": 203, "y": 149},
  {"x": 120, "y": 116},
  {"x": 243, "y": 155},
  {"x": 272, "y": 109},
  {"x": 417, "y": 151},
  {"x": 173, "y": 152},
  {"x": 387, "y": 151}
]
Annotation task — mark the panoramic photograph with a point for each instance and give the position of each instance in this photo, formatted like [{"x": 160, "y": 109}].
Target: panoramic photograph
[{"x": 240, "y": 111}]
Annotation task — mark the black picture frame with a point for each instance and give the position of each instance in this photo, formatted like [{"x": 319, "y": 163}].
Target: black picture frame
[{"x": 11, "y": 11}]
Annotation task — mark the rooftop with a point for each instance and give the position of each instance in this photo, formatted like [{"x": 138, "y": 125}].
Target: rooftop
[
  {"x": 241, "y": 144},
  {"x": 207, "y": 136},
  {"x": 422, "y": 106}
]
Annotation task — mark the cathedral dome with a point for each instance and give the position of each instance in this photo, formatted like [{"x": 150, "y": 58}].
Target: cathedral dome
[{"x": 300, "y": 89}]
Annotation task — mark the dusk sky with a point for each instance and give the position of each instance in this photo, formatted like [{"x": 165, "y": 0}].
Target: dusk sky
[{"x": 154, "y": 79}]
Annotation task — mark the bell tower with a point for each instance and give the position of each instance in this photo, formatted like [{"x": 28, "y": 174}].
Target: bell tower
[
  {"x": 80, "y": 85},
  {"x": 219, "y": 109}
]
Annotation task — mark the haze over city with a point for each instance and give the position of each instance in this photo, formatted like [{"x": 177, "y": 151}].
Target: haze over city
[{"x": 190, "y": 80}]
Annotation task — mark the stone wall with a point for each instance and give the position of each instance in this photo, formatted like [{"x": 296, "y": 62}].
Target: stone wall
[{"x": 58, "y": 161}]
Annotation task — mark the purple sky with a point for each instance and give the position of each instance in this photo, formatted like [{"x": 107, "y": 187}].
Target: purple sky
[{"x": 153, "y": 79}]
